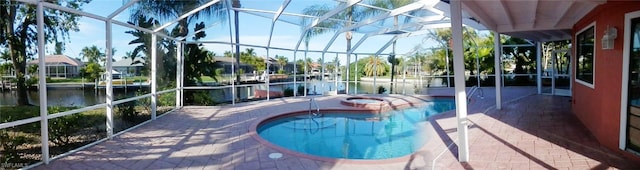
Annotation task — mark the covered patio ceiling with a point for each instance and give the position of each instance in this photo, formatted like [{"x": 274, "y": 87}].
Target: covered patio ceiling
[{"x": 538, "y": 20}]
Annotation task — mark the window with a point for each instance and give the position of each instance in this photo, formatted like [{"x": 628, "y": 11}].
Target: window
[{"x": 585, "y": 56}]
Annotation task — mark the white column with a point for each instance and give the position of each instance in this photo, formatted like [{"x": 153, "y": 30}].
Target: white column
[
  {"x": 295, "y": 74},
  {"x": 306, "y": 50},
  {"x": 539, "y": 66},
  {"x": 179, "y": 79},
  {"x": 268, "y": 76},
  {"x": 458, "y": 68},
  {"x": 348, "y": 67},
  {"x": 154, "y": 83},
  {"x": 109, "y": 88},
  {"x": 355, "y": 85},
  {"x": 497, "y": 48},
  {"x": 44, "y": 122}
]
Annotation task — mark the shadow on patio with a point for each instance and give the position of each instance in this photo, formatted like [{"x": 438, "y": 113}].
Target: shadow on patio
[{"x": 536, "y": 131}]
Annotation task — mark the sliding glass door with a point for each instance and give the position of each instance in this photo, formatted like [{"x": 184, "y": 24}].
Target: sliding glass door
[{"x": 633, "y": 107}]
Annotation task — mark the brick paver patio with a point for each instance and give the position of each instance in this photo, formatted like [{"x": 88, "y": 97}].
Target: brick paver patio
[{"x": 530, "y": 132}]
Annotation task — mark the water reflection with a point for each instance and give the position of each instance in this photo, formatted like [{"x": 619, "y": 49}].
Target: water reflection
[{"x": 88, "y": 96}]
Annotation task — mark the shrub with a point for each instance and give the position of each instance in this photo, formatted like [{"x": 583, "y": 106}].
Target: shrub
[
  {"x": 199, "y": 98},
  {"x": 381, "y": 90},
  {"x": 302, "y": 90},
  {"x": 167, "y": 99},
  {"x": 288, "y": 92},
  {"x": 62, "y": 129},
  {"x": 9, "y": 142},
  {"x": 127, "y": 111}
]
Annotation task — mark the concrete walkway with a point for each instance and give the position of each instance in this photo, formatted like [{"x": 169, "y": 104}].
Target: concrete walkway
[{"x": 530, "y": 132}]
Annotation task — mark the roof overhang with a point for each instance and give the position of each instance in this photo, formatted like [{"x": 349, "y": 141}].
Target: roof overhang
[{"x": 538, "y": 20}]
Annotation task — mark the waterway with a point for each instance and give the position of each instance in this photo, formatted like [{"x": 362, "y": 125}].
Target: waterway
[{"x": 89, "y": 96}]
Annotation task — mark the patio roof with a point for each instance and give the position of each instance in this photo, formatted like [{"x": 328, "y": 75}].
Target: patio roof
[{"x": 538, "y": 20}]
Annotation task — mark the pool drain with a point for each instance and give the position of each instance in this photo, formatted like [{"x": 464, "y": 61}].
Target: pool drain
[{"x": 275, "y": 155}]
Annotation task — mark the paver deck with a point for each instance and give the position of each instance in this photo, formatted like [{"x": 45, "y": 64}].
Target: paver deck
[{"x": 530, "y": 132}]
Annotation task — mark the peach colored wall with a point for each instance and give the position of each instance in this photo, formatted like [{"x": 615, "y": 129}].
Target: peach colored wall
[{"x": 599, "y": 108}]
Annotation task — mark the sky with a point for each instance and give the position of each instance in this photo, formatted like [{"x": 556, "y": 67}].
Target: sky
[{"x": 253, "y": 30}]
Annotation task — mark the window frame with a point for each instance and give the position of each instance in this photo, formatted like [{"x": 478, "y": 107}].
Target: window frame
[{"x": 593, "y": 65}]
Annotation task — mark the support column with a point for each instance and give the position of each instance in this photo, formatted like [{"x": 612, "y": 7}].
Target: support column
[
  {"x": 44, "y": 122},
  {"x": 539, "y": 66},
  {"x": 154, "y": 83},
  {"x": 295, "y": 74},
  {"x": 348, "y": 67},
  {"x": 355, "y": 77},
  {"x": 179, "y": 75},
  {"x": 458, "y": 68},
  {"x": 497, "y": 48},
  {"x": 109, "y": 88},
  {"x": 267, "y": 76}
]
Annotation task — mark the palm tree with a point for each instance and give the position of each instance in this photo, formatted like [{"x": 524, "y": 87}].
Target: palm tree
[
  {"x": 92, "y": 54},
  {"x": 282, "y": 61},
  {"x": 351, "y": 14},
  {"x": 167, "y": 10},
  {"x": 374, "y": 66}
]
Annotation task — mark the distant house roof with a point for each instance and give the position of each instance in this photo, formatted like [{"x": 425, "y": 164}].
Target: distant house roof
[
  {"x": 59, "y": 59},
  {"x": 224, "y": 59},
  {"x": 129, "y": 63}
]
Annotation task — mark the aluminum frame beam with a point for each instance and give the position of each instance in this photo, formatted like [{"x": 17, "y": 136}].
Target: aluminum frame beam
[
  {"x": 183, "y": 16},
  {"x": 122, "y": 8}
]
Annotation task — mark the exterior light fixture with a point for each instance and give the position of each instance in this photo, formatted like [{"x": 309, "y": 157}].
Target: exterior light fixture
[{"x": 609, "y": 37}]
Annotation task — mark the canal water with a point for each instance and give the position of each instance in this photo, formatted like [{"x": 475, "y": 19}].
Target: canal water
[{"x": 88, "y": 96}]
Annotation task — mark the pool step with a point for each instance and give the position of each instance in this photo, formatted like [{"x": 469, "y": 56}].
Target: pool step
[{"x": 304, "y": 122}]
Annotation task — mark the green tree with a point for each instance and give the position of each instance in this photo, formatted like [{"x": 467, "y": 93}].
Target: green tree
[
  {"x": 92, "y": 71},
  {"x": 282, "y": 61},
  {"x": 59, "y": 49},
  {"x": 249, "y": 57},
  {"x": 92, "y": 54},
  {"x": 352, "y": 14},
  {"x": 393, "y": 61},
  {"x": 524, "y": 58},
  {"x": 18, "y": 33},
  {"x": 374, "y": 66}
]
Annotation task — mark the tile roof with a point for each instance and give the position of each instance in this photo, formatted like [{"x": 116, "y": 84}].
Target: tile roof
[{"x": 56, "y": 59}]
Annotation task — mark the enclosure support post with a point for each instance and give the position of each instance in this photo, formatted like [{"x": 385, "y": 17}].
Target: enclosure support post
[
  {"x": 179, "y": 79},
  {"x": 306, "y": 49},
  {"x": 497, "y": 46},
  {"x": 458, "y": 68},
  {"x": 236, "y": 96},
  {"x": 268, "y": 75},
  {"x": 355, "y": 86},
  {"x": 295, "y": 74},
  {"x": 348, "y": 69},
  {"x": 446, "y": 55},
  {"x": 154, "y": 69},
  {"x": 44, "y": 122},
  {"x": 335, "y": 74},
  {"x": 109, "y": 79},
  {"x": 539, "y": 66}
]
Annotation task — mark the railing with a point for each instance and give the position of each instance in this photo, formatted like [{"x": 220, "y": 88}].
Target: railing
[
  {"x": 312, "y": 102},
  {"x": 473, "y": 90}
]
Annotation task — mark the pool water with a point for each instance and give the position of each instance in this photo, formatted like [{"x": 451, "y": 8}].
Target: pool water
[{"x": 355, "y": 135}]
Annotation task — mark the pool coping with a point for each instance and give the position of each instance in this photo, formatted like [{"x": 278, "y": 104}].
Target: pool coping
[{"x": 391, "y": 106}]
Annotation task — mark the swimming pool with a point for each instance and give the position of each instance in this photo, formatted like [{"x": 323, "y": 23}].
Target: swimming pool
[{"x": 354, "y": 135}]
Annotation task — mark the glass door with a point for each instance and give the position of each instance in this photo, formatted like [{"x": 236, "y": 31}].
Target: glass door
[
  {"x": 633, "y": 105},
  {"x": 561, "y": 84},
  {"x": 547, "y": 75},
  {"x": 556, "y": 73}
]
